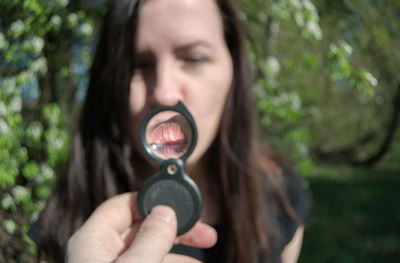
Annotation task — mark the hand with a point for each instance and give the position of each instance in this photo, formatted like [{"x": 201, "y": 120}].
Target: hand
[{"x": 115, "y": 233}]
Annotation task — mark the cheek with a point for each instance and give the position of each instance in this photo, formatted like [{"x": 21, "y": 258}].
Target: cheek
[
  {"x": 210, "y": 104},
  {"x": 216, "y": 91},
  {"x": 211, "y": 96}
]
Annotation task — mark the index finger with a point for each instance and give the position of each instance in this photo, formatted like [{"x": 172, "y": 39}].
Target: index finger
[{"x": 117, "y": 213}]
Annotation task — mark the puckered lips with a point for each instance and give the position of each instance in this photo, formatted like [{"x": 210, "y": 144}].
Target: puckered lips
[{"x": 168, "y": 137}]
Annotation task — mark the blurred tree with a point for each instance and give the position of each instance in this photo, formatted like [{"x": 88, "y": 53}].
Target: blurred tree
[
  {"x": 359, "y": 105},
  {"x": 282, "y": 112},
  {"x": 326, "y": 76},
  {"x": 45, "y": 49}
]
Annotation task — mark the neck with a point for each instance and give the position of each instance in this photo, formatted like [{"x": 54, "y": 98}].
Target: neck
[
  {"x": 200, "y": 173},
  {"x": 197, "y": 171}
]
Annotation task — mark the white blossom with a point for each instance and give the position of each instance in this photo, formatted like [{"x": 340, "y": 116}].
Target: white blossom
[
  {"x": 296, "y": 3},
  {"x": 27, "y": 76},
  {"x": 35, "y": 129},
  {"x": 303, "y": 149},
  {"x": 3, "y": 109},
  {"x": 295, "y": 101},
  {"x": 86, "y": 29},
  {"x": 15, "y": 104},
  {"x": 9, "y": 226},
  {"x": 314, "y": 29},
  {"x": 2, "y": 41},
  {"x": 371, "y": 79},
  {"x": 10, "y": 85},
  {"x": 280, "y": 8},
  {"x": 347, "y": 48},
  {"x": 7, "y": 202},
  {"x": 299, "y": 19},
  {"x": 282, "y": 99},
  {"x": 72, "y": 19},
  {"x": 274, "y": 7},
  {"x": 17, "y": 27},
  {"x": 34, "y": 216},
  {"x": 39, "y": 65},
  {"x": 57, "y": 143},
  {"x": 273, "y": 65},
  {"x": 39, "y": 179},
  {"x": 333, "y": 48},
  {"x": 38, "y": 44},
  {"x": 55, "y": 20},
  {"x": 20, "y": 193},
  {"x": 4, "y": 128},
  {"x": 47, "y": 171},
  {"x": 310, "y": 6}
]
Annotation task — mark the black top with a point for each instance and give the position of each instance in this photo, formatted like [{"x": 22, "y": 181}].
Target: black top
[{"x": 287, "y": 226}]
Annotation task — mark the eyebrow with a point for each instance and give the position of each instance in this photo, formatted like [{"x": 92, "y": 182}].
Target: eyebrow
[
  {"x": 147, "y": 54},
  {"x": 188, "y": 46}
]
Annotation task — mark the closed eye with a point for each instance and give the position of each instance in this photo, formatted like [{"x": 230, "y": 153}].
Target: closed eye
[
  {"x": 195, "y": 59},
  {"x": 192, "y": 61}
]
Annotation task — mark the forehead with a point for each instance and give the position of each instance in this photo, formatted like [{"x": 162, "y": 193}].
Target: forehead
[{"x": 178, "y": 20}]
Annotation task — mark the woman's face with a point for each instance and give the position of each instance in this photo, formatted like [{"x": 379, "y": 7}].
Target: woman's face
[{"x": 181, "y": 56}]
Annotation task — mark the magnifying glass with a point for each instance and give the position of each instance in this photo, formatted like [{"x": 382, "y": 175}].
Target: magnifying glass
[{"x": 168, "y": 135}]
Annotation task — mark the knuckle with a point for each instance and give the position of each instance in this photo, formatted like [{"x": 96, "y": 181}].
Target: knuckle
[{"x": 158, "y": 228}]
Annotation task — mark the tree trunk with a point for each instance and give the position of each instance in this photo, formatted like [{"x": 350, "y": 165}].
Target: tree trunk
[
  {"x": 347, "y": 154},
  {"x": 390, "y": 131}
]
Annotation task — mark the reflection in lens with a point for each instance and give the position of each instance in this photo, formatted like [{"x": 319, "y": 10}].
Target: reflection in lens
[{"x": 168, "y": 134}]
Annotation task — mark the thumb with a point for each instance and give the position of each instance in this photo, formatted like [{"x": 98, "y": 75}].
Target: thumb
[{"x": 154, "y": 238}]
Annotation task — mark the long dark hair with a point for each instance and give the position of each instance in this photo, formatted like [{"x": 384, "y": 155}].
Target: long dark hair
[{"x": 102, "y": 160}]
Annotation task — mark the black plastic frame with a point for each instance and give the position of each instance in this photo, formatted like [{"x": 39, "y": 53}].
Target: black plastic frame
[
  {"x": 180, "y": 108},
  {"x": 180, "y": 178}
]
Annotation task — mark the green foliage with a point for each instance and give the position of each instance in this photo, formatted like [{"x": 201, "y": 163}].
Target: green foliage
[
  {"x": 34, "y": 141},
  {"x": 281, "y": 109},
  {"x": 341, "y": 69},
  {"x": 54, "y": 137},
  {"x": 29, "y": 156},
  {"x": 357, "y": 75},
  {"x": 11, "y": 153},
  {"x": 325, "y": 73}
]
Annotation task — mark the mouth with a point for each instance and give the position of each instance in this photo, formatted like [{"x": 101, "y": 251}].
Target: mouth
[{"x": 168, "y": 138}]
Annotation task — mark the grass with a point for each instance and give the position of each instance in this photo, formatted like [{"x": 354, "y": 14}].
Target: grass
[{"x": 355, "y": 217}]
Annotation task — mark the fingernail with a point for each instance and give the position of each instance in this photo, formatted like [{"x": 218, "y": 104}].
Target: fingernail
[{"x": 164, "y": 213}]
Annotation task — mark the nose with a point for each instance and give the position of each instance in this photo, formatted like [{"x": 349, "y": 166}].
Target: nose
[{"x": 168, "y": 88}]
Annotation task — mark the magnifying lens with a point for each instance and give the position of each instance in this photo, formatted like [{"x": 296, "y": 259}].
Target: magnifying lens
[{"x": 168, "y": 136}]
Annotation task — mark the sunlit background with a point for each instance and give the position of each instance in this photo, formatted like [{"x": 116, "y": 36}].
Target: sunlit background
[{"x": 327, "y": 86}]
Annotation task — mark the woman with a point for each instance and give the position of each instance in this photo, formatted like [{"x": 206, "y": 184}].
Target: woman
[{"x": 158, "y": 52}]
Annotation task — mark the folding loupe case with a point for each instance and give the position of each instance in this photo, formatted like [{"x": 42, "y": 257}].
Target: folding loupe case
[{"x": 171, "y": 186}]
